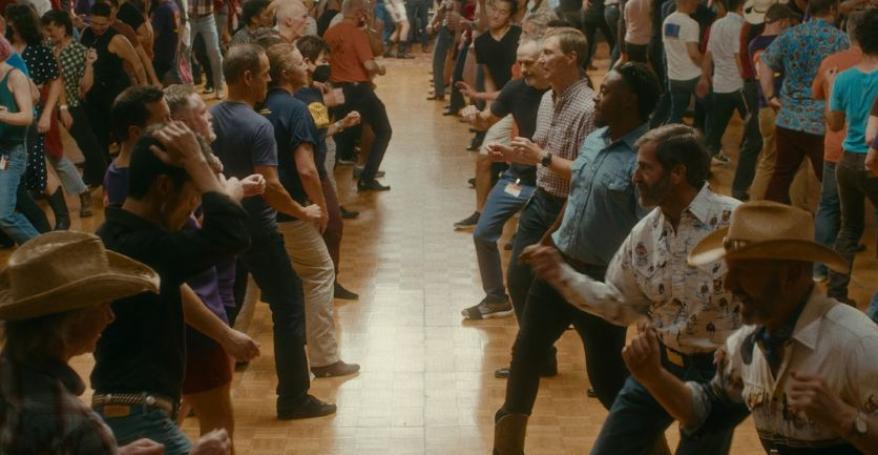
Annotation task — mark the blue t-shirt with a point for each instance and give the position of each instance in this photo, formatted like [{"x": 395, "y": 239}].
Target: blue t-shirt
[
  {"x": 14, "y": 60},
  {"x": 853, "y": 93},
  {"x": 293, "y": 126},
  {"x": 244, "y": 140}
]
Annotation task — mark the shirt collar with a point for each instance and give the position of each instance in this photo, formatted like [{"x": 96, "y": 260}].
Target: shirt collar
[
  {"x": 700, "y": 205},
  {"x": 567, "y": 93},
  {"x": 808, "y": 325},
  {"x": 628, "y": 139},
  {"x": 51, "y": 368}
]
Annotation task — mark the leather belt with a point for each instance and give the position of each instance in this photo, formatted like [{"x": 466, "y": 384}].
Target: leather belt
[
  {"x": 120, "y": 404},
  {"x": 702, "y": 361}
]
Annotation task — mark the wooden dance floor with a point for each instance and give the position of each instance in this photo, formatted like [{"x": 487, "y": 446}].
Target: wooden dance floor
[{"x": 427, "y": 383}]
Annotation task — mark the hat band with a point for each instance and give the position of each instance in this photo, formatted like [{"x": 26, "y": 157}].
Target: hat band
[{"x": 734, "y": 244}]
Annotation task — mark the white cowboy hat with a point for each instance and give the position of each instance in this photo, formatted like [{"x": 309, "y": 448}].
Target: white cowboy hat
[
  {"x": 754, "y": 10},
  {"x": 766, "y": 230},
  {"x": 62, "y": 271}
]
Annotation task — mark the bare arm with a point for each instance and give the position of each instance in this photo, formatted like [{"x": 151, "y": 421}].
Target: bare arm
[
  {"x": 695, "y": 54},
  {"x": 307, "y": 169},
  {"x": 766, "y": 80},
  {"x": 55, "y": 90},
  {"x": 120, "y": 46},
  {"x": 152, "y": 78},
  {"x": 199, "y": 317},
  {"x": 20, "y": 86},
  {"x": 278, "y": 197},
  {"x": 374, "y": 68},
  {"x": 88, "y": 77},
  {"x": 872, "y": 128}
]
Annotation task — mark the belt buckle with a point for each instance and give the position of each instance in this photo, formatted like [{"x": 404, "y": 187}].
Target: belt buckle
[
  {"x": 675, "y": 358},
  {"x": 115, "y": 410}
]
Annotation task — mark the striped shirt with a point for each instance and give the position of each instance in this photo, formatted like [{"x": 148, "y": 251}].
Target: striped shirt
[{"x": 563, "y": 122}]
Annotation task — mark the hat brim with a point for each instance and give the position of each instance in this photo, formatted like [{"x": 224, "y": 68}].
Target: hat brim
[
  {"x": 711, "y": 249},
  {"x": 125, "y": 277}
]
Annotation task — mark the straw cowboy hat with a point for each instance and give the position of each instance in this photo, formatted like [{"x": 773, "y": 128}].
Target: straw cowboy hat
[
  {"x": 754, "y": 10},
  {"x": 766, "y": 230},
  {"x": 62, "y": 271}
]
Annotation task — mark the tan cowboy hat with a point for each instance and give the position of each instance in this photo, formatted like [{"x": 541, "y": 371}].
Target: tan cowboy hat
[
  {"x": 766, "y": 230},
  {"x": 62, "y": 270},
  {"x": 754, "y": 10}
]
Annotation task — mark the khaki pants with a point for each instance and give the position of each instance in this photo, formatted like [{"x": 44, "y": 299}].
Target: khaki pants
[
  {"x": 312, "y": 263},
  {"x": 805, "y": 190}
]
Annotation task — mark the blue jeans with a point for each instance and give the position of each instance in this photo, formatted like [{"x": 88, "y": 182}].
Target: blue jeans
[
  {"x": 674, "y": 102},
  {"x": 151, "y": 424},
  {"x": 828, "y": 218},
  {"x": 69, "y": 176},
  {"x": 206, "y": 27},
  {"x": 444, "y": 41},
  {"x": 499, "y": 207},
  {"x": 13, "y": 223},
  {"x": 611, "y": 17},
  {"x": 419, "y": 16},
  {"x": 269, "y": 264},
  {"x": 637, "y": 421}
]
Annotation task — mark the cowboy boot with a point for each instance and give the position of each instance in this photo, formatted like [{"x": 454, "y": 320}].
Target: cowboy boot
[
  {"x": 59, "y": 208},
  {"x": 85, "y": 204},
  {"x": 509, "y": 433}
]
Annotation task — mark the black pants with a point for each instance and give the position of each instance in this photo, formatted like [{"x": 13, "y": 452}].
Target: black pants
[
  {"x": 855, "y": 185},
  {"x": 546, "y": 316},
  {"x": 281, "y": 288},
  {"x": 99, "y": 106},
  {"x": 95, "y": 160},
  {"x": 361, "y": 98},
  {"x": 751, "y": 144}
]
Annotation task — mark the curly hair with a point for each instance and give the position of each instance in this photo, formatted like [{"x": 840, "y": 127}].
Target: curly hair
[
  {"x": 641, "y": 80},
  {"x": 24, "y": 20}
]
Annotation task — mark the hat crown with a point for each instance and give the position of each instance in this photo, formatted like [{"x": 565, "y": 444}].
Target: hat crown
[
  {"x": 54, "y": 260},
  {"x": 764, "y": 221}
]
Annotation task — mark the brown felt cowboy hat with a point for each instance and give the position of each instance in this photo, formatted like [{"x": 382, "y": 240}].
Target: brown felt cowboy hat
[
  {"x": 63, "y": 271},
  {"x": 766, "y": 230}
]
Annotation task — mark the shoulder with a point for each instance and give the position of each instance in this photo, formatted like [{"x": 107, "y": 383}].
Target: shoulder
[{"x": 846, "y": 322}]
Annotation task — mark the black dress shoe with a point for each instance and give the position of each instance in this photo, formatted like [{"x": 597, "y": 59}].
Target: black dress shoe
[
  {"x": 344, "y": 294},
  {"x": 503, "y": 373},
  {"x": 473, "y": 147},
  {"x": 371, "y": 185},
  {"x": 447, "y": 113},
  {"x": 348, "y": 214},
  {"x": 311, "y": 407}
]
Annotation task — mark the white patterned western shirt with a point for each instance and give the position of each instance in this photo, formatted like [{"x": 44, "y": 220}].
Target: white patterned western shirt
[{"x": 649, "y": 278}]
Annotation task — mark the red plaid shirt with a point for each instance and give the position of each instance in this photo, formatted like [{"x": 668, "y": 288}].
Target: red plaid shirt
[{"x": 40, "y": 411}]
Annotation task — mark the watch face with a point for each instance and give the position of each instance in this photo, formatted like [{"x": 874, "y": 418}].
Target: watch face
[{"x": 860, "y": 424}]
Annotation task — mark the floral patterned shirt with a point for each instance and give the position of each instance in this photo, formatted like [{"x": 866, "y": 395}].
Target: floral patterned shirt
[
  {"x": 797, "y": 53},
  {"x": 650, "y": 278},
  {"x": 830, "y": 340}
]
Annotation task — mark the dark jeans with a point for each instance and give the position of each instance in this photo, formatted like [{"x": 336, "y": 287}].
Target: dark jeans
[
  {"x": 637, "y": 422},
  {"x": 95, "y": 161},
  {"x": 828, "y": 218},
  {"x": 99, "y": 105},
  {"x": 537, "y": 217},
  {"x": 612, "y": 14},
  {"x": 418, "y": 15},
  {"x": 674, "y": 103},
  {"x": 444, "y": 41},
  {"x": 593, "y": 22},
  {"x": 723, "y": 105},
  {"x": 361, "y": 97},
  {"x": 499, "y": 207},
  {"x": 268, "y": 262},
  {"x": 855, "y": 184},
  {"x": 637, "y": 52},
  {"x": 457, "y": 102},
  {"x": 792, "y": 148},
  {"x": 546, "y": 317},
  {"x": 751, "y": 143}
]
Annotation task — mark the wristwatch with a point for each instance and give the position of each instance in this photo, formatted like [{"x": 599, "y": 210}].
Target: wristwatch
[
  {"x": 546, "y": 161},
  {"x": 860, "y": 425}
]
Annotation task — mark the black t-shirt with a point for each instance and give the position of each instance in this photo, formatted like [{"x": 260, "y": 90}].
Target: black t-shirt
[
  {"x": 523, "y": 102},
  {"x": 498, "y": 56},
  {"x": 293, "y": 126},
  {"x": 131, "y": 15}
]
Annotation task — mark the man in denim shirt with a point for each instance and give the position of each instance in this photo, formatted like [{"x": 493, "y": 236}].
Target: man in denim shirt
[{"x": 600, "y": 211}]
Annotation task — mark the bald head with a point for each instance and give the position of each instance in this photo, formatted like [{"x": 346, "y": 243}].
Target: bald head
[
  {"x": 292, "y": 18},
  {"x": 350, "y": 8}
]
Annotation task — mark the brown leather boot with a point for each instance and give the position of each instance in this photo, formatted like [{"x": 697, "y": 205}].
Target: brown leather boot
[{"x": 509, "y": 434}]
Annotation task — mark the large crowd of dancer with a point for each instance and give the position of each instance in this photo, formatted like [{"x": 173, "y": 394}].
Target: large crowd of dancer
[{"x": 210, "y": 131}]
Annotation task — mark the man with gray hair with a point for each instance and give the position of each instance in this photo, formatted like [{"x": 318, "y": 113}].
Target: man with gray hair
[
  {"x": 292, "y": 19},
  {"x": 353, "y": 69}
]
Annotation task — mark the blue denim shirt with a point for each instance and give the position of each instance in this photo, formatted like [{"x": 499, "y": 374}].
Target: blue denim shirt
[{"x": 602, "y": 206}]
